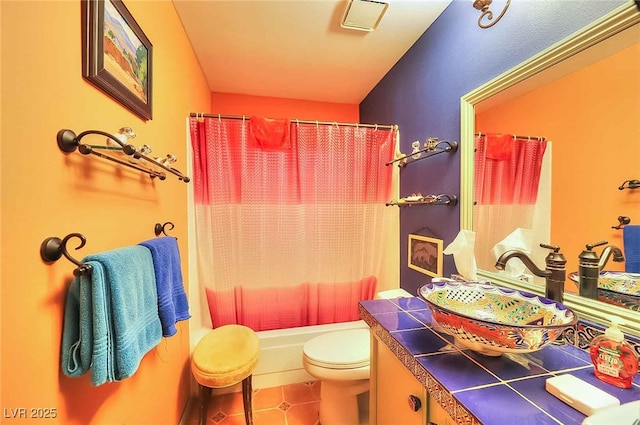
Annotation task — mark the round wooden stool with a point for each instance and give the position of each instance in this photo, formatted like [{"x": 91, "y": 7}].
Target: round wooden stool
[{"x": 222, "y": 358}]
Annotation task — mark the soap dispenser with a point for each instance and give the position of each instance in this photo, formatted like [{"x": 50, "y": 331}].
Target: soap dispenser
[
  {"x": 589, "y": 271},
  {"x": 614, "y": 360}
]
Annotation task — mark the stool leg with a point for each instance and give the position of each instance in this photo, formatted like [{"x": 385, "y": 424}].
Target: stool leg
[
  {"x": 246, "y": 400},
  {"x": 205, "y": 394}
]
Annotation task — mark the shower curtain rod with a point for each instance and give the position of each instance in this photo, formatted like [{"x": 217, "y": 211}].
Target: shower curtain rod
[
  {"x": 515, "y": 136},
  {"x": 240, "y": 117}
]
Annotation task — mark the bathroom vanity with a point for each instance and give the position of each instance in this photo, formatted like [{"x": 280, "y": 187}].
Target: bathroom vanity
[{"x": 419, "y": 376}]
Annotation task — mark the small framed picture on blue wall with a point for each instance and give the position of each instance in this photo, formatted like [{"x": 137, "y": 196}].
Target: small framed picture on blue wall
[
  {"x": 117, "y": 55},
  {"x": 425, "y": 255}
]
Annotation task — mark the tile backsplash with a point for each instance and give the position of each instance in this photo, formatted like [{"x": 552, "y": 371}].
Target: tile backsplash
[{"x": 584, "y": 331}]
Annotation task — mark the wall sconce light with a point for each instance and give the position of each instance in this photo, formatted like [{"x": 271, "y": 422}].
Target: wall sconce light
[{"x": 483, "y": 5}]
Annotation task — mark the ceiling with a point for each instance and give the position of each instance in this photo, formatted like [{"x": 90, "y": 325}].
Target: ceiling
[{"x": 296, "y": 49}]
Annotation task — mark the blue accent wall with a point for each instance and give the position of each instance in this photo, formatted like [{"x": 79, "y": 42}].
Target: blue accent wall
[{"x": 422, "y": 92}]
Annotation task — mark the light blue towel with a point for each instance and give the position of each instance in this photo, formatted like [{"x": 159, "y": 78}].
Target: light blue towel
[
  {"x": 631, "y": 239},
  {"x": 173, "y": 305},
  {"x": 111, "y": 316}
]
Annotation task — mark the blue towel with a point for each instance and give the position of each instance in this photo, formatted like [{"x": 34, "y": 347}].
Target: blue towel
[
  {"x": 631, "y": 238},
  {"x": 111, "y": 316},
  {"x": 172, "y": 299}
]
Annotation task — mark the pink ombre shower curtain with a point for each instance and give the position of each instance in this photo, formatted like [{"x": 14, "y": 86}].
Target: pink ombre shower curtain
[
  {"x": 507, "y": 176},
  {"x": 290, "y": 218}
]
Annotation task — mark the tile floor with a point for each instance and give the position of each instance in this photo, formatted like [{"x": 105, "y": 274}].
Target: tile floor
[{"x": 295, "y": 404}]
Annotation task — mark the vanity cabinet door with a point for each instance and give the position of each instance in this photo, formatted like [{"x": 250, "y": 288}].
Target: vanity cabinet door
[
  {"x": 437, "y": 414},
  {"x": 396, "y": 396}
]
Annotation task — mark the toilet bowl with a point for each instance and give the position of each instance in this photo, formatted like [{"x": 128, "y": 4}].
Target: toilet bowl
[{"x": 340, "y": 361}]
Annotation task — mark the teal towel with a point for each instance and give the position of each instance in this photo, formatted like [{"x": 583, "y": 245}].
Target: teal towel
[
  {"x": 111, "y": 316},
  {"x": 173, "y": 305}
]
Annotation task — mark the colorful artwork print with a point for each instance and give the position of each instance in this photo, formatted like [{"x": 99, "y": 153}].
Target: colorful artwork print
[
  {"x": 125, "y": 57},
  {"x": 425, "y": 255},
  {"x": 117, "y": 57}
]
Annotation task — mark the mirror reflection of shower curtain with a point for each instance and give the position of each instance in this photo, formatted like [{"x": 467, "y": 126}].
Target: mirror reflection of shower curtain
[
  {"x": 291, "y": 232},
  {"x": 512, "y": 189}
]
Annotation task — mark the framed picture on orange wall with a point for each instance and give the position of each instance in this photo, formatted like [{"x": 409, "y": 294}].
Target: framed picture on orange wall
[
  {"x": 116, "y": 55},
  {"x": 425, "y": 255}
]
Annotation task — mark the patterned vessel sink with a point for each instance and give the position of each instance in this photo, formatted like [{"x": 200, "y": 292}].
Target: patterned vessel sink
[
  {"x": 620, "y": 282},
  {"x": 493, "y": 320}
]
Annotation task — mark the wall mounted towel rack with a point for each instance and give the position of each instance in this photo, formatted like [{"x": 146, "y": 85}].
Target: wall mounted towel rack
[
  {"x": 68, "y": 142},
  {"x": 161, "y": 228},
  {"x": 432, "y": 147},
  {"x": 630, "y": 184},
  {"x": 623, "y": 221},
  {"x": 441, "y": 199},
  {"x": 53, "y": 248}
]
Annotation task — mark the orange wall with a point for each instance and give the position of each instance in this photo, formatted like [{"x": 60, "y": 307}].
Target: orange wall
[
  {"x": 271, "y": 107},
  {"x": 47, "y": 193},
  {"x": 591, "y": 117}
]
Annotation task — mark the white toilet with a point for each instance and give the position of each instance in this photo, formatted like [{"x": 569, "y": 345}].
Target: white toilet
[{"x": 340, "y": 360}]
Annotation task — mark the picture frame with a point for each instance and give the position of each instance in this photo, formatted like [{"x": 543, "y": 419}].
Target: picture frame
[
  {"x": 425, "y": 255},
  {"x": 117, "y": 57}
]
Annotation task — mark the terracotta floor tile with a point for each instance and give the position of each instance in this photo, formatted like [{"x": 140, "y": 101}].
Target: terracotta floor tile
[
  {"x": 232, "y": 420},
  {"x": 230, "y": 404},
  {"x": 296, "y": 404},
  {"x": 303, "y": 414},
  {"x": 301, "y": 393},
  {"x": 267, "y": 398},
  {"x": 269, "y": 417}
]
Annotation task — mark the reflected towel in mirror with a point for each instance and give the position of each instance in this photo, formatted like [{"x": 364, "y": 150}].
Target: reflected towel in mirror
[{"x": 631, "y": 238}]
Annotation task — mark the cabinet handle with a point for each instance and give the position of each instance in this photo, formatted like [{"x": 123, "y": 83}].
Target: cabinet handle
[{"x": 414, "y": 403}]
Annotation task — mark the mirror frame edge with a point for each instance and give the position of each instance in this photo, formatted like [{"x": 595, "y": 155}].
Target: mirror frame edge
[{"x": 618, "y": 20}]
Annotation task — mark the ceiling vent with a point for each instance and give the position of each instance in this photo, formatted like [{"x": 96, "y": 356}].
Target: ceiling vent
[{"x": 363, "y": 15}]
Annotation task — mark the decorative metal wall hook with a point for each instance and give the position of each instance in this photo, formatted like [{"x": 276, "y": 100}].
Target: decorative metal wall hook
[
  {"x": 160, "y": 228},
  {"x": 53, "y": 248},
  {"x": 623, "y": 221},
  {"x": 483, "y": 6},
  {"x": 630, "y": 184}
]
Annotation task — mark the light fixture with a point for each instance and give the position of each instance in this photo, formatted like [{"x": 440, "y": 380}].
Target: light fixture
[
  {"x": 483, "y": 5},
  {"x": 363, "y": 15}
]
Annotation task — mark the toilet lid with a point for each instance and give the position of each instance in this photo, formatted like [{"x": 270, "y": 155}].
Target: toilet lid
[{"x": 339, "y": 350}]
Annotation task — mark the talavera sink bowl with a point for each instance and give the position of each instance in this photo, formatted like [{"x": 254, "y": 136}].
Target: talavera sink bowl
[
  {"x": 620, "y": 282},
  {"x": 493, "y": 320}
]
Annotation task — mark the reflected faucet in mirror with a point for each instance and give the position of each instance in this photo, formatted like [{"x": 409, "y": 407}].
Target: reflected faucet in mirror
[
  {"x": 590, "y": 266},
  {"x": 555, "y": 271}
]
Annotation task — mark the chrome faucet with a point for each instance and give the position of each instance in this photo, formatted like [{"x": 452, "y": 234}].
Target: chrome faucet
[{"x": 555, "y": 271}]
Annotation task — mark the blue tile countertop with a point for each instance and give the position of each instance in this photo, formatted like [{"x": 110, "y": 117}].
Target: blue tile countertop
[{"x": 476, "y": 389}]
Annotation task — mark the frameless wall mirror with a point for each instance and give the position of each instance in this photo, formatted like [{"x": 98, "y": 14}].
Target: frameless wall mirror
[{"x": 583, "y": 96}]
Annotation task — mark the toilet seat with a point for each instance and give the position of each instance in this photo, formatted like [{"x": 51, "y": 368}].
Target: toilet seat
[{"x": 347, "y": 349}]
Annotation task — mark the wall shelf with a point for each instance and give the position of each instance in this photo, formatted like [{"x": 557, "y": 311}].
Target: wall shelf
[
  {"x": 432, "y": 146},
  {"x": 442, "y": 199},
  {"x": 131, "y": 157}
]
